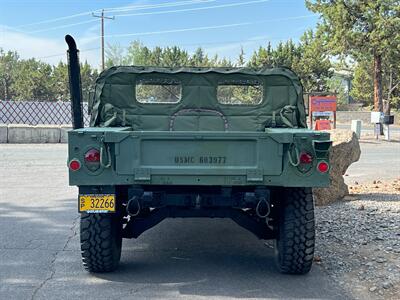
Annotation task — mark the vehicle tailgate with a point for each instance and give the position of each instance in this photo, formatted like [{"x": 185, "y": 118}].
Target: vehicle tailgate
[{"x": 194, "y": 153}]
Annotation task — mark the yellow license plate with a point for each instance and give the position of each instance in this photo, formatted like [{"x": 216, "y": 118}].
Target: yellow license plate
[{"x": 102, "y": 203}]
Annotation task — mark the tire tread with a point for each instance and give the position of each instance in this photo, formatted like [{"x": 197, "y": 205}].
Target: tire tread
[
  {"x": 101, "y": 242},
  {"x": 296, "y": 241}
]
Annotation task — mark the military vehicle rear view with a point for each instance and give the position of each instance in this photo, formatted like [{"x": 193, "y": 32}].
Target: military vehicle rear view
[{"x": 195, "y": 143}]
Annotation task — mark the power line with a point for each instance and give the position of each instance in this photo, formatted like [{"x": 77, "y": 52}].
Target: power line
[
  {"x": 64, "y": 54},
  {"x": 208, "y": 27},
  {"x": 193, "y": 9},
  {"x": 157, "y": 13},
  {"x": 54, "y": 20},
  {"x": 60, "y": 27},
  {"x": 102, "y": 17},
  {"x": 195, "y": 29},
  {"x": 152, "y": 6},
  {"x": 181, "y": 30},
  {"x": 202, "y": 28},
  {"x": 121, "y": 8}
]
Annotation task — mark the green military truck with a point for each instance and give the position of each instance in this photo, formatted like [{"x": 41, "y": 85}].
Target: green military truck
[{"x": 195, "y": 142}]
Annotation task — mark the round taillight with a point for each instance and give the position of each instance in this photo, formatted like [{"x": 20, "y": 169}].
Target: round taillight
[
  {"x": 306, "y": 158},
  {"x": 74, "y": 165},
  {"x": 92, "y": 156},
  {"x": 323, "y": 167},
  {"x": 92, "y": 159}
]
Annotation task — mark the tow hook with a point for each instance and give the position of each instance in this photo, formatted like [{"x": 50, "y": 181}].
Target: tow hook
[
  {"x": 263, "y": 208},
  {"x": 133, "y": 206}
]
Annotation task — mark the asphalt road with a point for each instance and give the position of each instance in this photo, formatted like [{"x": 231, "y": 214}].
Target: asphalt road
[
  {"x": 369, "y": 129},
  {"x": 380, "y": 160},
  {"x": 178, "y": 259}
]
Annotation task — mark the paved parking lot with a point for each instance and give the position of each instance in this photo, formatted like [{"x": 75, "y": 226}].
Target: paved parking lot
[{"x": 178, "y": 259}]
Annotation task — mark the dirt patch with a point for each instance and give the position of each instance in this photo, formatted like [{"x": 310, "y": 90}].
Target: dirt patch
[{"x": 358, "y": 240}]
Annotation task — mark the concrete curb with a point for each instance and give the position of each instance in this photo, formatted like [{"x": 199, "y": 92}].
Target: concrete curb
[
  {"x": 44, "y": 134},
  {"x": 64, "y": 133},
  {"x": 3, "y": 133},
  {"x": 20, "y": 134},
  {"x": 39, "y": 134}
]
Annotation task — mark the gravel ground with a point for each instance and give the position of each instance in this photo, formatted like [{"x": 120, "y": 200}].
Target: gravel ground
[{"x": 358, "y": 240}]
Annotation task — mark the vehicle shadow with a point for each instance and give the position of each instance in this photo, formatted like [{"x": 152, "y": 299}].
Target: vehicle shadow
[
  {"x": 37, "y": 227},
  {"x": 200, "y": 257}
]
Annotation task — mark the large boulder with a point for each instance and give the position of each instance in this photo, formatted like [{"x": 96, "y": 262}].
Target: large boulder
[{"x": 345, "y": 150}]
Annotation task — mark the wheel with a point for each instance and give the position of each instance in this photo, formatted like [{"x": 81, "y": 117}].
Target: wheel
[
  {"x": 101, "y": 241},
  {"x": 295, "y": 242}
]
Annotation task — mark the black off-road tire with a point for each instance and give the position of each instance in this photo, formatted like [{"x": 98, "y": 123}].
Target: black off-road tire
[
  {"x": 296, "y": 238},
  {"x": 101, "y": 242}
]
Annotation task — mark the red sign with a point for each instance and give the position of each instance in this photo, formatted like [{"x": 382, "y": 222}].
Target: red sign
[
  {"x": 322, "y": 125},
  {"x": 323, "y": 103}
]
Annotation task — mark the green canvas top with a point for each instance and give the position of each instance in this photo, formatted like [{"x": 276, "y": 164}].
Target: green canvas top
[
  {"x": 198, "y": 70},
  {"x": 198, "y": 106}
]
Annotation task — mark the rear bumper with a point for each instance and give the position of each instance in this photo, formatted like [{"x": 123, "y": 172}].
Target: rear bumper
[
  {"x": 148, "y": 206},
  {"x": 288, "y": 178}
]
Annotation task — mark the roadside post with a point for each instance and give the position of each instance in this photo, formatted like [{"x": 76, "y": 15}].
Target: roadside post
[
  {"x": 322, "y": 112},
  {"x": 387, "y": 120},
  {"x": 377, "y": 119},
  {"x": 356, "y": 127}
]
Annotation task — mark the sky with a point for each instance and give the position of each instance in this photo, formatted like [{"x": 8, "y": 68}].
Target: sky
[{"x": 37, "y": 28}]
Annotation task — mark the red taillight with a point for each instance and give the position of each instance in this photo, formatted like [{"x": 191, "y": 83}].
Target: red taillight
[
  {"x": 92, "y": 156},
  {"x": 305, "y": 158},
  {"x": 92, "y": 159},
  {"x": 323, "y": 167},
  {"x": 74, "y": 165}
]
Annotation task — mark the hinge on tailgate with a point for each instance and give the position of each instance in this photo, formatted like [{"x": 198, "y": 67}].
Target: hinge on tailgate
[
  {"x": 142, "y": 174},
  {"x": 255, "y": 175}
]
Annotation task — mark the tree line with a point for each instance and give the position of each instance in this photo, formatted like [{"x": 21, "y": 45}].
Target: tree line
[
  {"x": 307, "y": 58},
  {"x": 361, "y": 37},
  {"x": 32, "y": 79}
]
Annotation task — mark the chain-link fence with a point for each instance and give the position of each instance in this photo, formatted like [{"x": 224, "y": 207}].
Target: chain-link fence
[{"x": 37, "y": 112}]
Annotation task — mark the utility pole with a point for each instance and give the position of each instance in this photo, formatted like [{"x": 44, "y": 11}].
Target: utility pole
[{"x": 102, "y": 17}]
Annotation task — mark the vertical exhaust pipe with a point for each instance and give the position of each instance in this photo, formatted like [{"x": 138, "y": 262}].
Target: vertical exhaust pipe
[{"x": 75, "y": 88}]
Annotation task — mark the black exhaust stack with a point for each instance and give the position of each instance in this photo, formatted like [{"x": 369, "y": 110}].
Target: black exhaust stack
[{"x": 75, "y": 88}]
